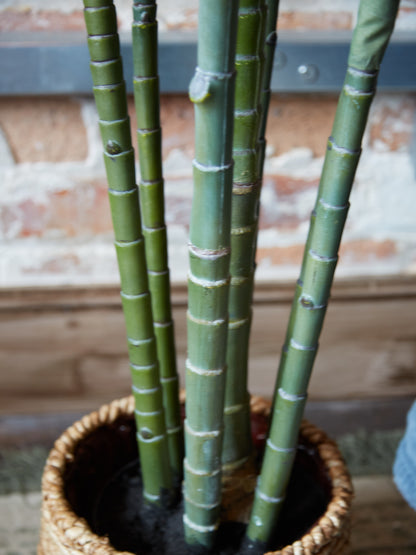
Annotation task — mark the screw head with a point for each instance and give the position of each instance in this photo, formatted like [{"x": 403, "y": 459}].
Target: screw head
[{"x": 308, "y": 73}]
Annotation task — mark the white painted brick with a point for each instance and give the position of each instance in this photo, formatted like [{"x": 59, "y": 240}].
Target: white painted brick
[{"x": 6, "y": 155}]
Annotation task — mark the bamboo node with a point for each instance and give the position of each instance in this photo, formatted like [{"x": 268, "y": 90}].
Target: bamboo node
[
  {"x": 336, "y": 207},
  {"x": 244, "y": 229},
  {"x": 138, "y": 296},
  {"x": 203, "y": 371},
  {"x": 245, "y": 188},
  {"x": 295, "y": 345},
  {"x": 291, "y": 396},
  {"x": 352, "y": 91},
  {"x": 138, "y": 368},
  {"x": 214, "y": 323},
  {"x": 139, "y": 342},
  {"x": 129, "y": 243},
  {"x": 199, "y": 527},
  {"x": 208, "y": 283},
  {"x": 212, "y": 169},
  {"x": 207, "y": 253},
  {"x": 147, "y": 391},
  {"x": 235, "y": 324},
  {"x": 332, "y": 145},
  {"x": 277, "y": 449},
  {"x": 209, "y": 434},
  {"x": 122, "y": 193},
  {"x": 206, "y": 506},
  {"x": 199, "y": 472},
  {"x": 361, "y": 72},
  {"x": 321, "y": 258},
  {"x": 268, "y": 499}
]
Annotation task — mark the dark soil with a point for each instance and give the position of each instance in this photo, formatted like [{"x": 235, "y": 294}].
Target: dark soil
[{"x": 106, "y": 490}]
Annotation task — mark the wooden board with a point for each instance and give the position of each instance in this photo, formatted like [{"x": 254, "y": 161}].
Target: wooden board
[{"x": 65, "y": 349}]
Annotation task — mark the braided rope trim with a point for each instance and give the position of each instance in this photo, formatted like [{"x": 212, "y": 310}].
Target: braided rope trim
[{"x": 64, "y": 533}]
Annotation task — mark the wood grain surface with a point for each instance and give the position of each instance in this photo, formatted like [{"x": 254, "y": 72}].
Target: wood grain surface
[{"x": 65, "y": 349}]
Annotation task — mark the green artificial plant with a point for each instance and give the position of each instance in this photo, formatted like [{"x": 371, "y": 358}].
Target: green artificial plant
[{"x": 231, "y": 92}]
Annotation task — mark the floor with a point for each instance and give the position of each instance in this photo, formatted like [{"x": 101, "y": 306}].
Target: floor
[{"x": 383, "y": 523}]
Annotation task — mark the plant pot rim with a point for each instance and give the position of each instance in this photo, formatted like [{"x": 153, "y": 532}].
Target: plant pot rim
[{"x": 70, "y": 534}]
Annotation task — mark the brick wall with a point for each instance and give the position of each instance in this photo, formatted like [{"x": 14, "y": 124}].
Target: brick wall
[{"x": 55, "y": 226}]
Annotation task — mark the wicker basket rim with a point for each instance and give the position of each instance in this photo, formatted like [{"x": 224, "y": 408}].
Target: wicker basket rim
[{"x": 58, "y": 514}]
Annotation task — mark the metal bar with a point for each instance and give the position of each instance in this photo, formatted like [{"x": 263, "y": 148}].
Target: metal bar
[{"x": 52, "y": 63}]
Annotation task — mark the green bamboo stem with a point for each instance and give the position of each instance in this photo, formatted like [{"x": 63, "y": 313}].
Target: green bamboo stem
[
  {"x": 146, "y": 95},
  {"x": 110, "y": 97},
  {"x": 374, "y": 26},
  {"x": 212, "y": 91},
  {"x": 269, "y": 50},
  {"x": 249, "y": 66}
]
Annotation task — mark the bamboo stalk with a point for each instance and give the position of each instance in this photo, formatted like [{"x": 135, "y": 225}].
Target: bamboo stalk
[
  {"x": 249, "y": 65},
  {"x": 269, "y": 50},
  {"x": 374, "y": 26},
  {"x": 212, "y": 91},
  {"x": 146, "y": 95},
  {"x": 110, "y": 96}
]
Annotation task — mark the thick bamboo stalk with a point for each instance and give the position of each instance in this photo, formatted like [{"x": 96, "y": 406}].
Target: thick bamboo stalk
[
  {"x": 110, "y": 97},
  {"x": 146, "y": 95},
  {"x": 212, "y": 91},
  {"x": 249, "y": 65},
  {"x": 374, "y": 26}
]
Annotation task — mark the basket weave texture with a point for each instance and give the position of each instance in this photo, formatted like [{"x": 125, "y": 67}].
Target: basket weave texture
[{"x": 65, "y": 533}]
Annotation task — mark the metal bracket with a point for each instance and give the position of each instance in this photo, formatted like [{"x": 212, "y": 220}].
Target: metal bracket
[{"x": 57, "y": 63}]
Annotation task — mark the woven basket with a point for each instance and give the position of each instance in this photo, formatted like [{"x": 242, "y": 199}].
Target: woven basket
[{"x": 65, "y": 533}]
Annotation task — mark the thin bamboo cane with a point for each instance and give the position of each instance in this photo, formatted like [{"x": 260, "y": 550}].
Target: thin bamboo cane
[
  {"x": 249, "y": 65},
  {"x": 110, "y": 96},
  {"x": 374, "y": 26},
  {"x": 212, "y": 91},
  {"x": 269, "y": 50},
  {"x": 146, "y": 95}
]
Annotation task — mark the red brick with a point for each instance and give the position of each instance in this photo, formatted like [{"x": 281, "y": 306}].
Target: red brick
[
  {"x": 315, "y": 21},
  {"x": 286, "y": 188},
  {"x": 83, "y": 210},
  {"x": 44, "y": 129},
  {"x": 358, "y": 251},
  {"x": 280, "y": 256},
  {"x": 294, "y": 121},
  {"x": 300, "y": 121},
  {"x": 367, "y": 250},
  {"x": 187, "y": 21},
  {"x": 79, "y": 211},
  {"x": 177, "y": 117},
  {"x": 42, "y": 20},
  {"x": 406, "y": 11},
  {"x": 65, "y": 264}
]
